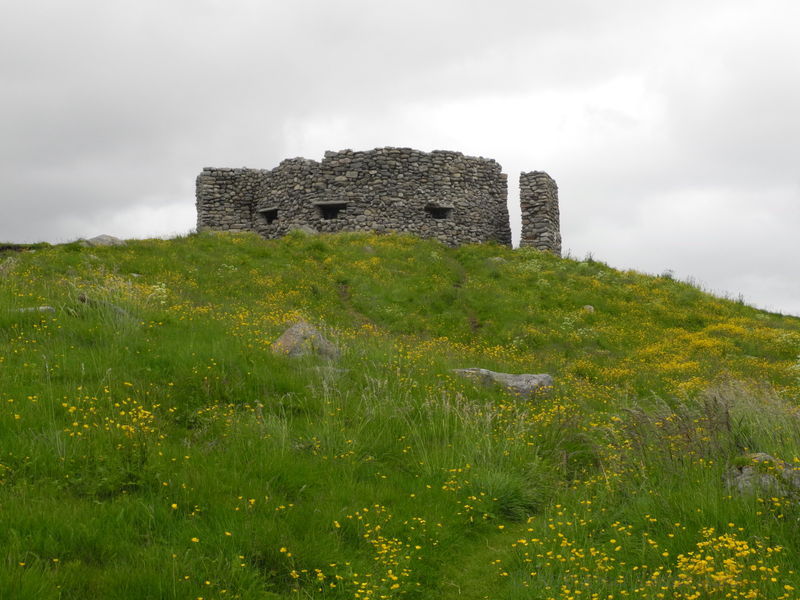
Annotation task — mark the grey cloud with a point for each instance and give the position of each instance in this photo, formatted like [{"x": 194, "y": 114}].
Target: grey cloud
[{"x": 111, "y": 108}]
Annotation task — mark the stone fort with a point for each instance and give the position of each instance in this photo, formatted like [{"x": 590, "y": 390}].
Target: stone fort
[{"x": 454, "y": 198}]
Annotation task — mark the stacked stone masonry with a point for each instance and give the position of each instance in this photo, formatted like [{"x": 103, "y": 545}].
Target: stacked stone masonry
[
  {"x": 445, "y": 195},
  {"x": 538, "y": 198}
]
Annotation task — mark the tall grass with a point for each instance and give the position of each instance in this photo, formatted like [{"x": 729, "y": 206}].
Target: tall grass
[{"x": 151, "y": 445}]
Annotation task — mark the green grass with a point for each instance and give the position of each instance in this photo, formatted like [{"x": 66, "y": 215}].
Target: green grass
[{"x": 151, "y": 445}]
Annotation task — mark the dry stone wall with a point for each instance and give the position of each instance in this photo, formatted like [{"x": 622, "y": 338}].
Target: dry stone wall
[
  {"x": 445, "y": 195},
  {"x": 225, "y": 198}
]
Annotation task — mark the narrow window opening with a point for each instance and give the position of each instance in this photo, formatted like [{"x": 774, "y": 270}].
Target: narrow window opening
[
  {"x": 268, "y": 215},
  {"x": 439, "y": 212},
  {"x": 331, "y": 210}
]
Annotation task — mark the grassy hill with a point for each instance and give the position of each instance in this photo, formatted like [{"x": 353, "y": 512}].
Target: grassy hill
[{"x": 152, "y": 446}]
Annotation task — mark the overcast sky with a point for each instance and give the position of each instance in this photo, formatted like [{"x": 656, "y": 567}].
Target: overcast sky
[{"x": 672, "y": 128}]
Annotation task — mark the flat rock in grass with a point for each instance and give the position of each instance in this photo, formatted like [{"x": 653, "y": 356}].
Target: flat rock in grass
[
  {"x": 41, "y": 309},
  {"x": 302, "y": 339},
  {"x": 524, "y": 383},
  {"x": 103, "y": 240},
  {"x": 761, "y": 472}
]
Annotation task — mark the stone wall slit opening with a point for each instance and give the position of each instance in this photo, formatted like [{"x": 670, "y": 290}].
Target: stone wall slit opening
[
  {"x": 439, "y": 212},
  {"x": 268, "y": 216},
  {"x": 330, "y": 210}
]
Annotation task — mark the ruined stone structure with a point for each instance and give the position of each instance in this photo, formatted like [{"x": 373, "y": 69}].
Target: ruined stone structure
[{"x": 444, "y": 195}]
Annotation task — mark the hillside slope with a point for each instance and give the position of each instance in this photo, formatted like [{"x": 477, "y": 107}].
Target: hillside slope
[{"x": 152, "y": 446}]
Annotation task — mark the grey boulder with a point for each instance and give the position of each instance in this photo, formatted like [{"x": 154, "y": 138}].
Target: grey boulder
[
  {"x": 764, "y": 473},
  {"x": 302, "y": 339},
  {"x": 524, "y": 383},
  {"x": 103, "y": 240}
]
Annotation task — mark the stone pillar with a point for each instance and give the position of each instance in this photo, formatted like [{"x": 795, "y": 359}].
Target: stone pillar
[
  {"x": 538, "y": 196},
  {"x": 503, "y": 230}
]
